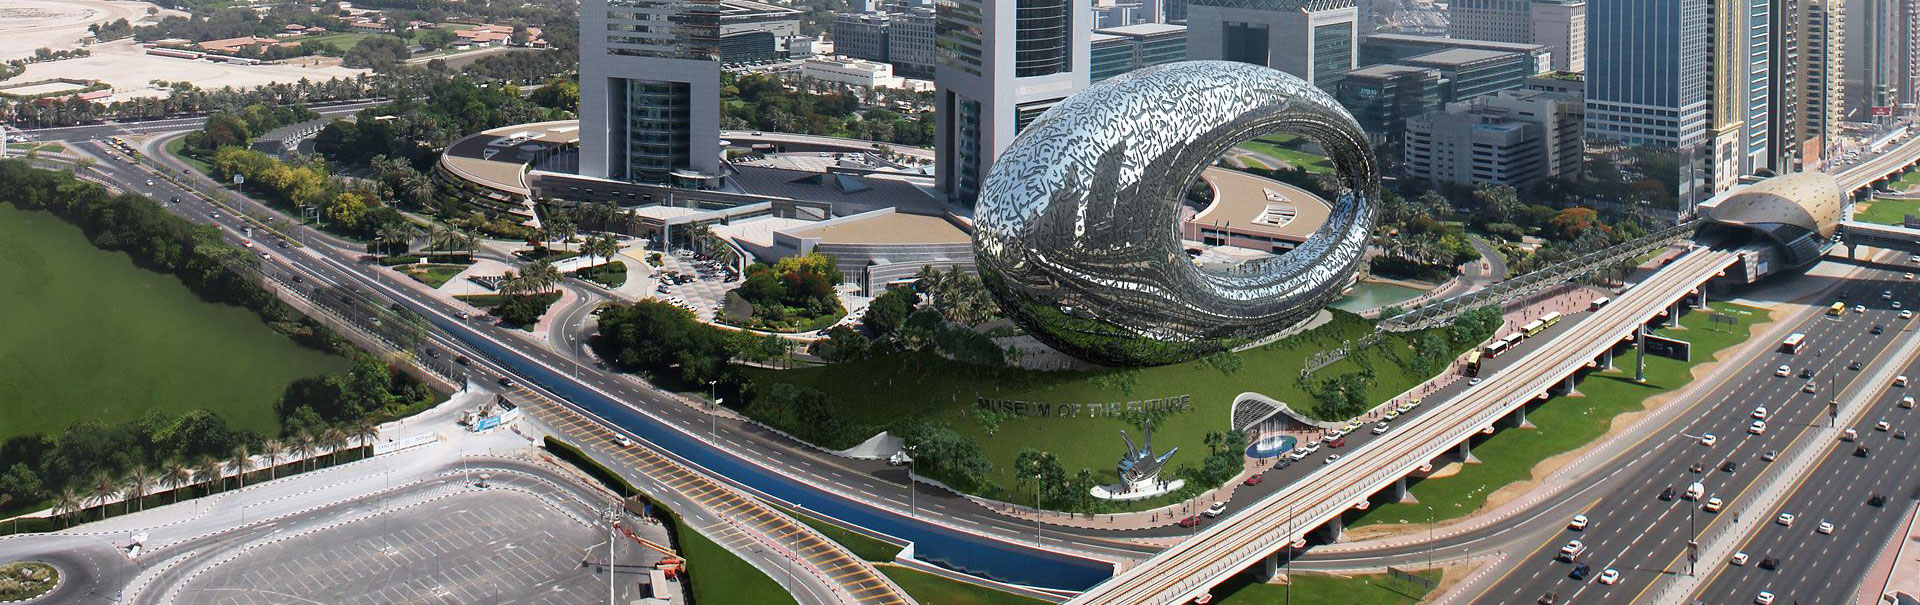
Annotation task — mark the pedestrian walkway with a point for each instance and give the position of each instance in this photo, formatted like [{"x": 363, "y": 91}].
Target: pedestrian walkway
[{"x": 742, "y": 522}]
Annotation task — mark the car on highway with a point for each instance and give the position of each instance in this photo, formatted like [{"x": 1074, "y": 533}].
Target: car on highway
[
  {"x": 1906, "y": 403},
  {"x": 1729, "y": 466},
  {"x": 1579, "y": 523},
  {"x": 1697, "y": 467},
  {"x": 1252, "y": 480},
  {"x": 1764, "y": 598},
  {"x": 1331, "y": 458},
  {"x": 1713, "y": 504},
  {"x": 1215, "y": 510},
  {"x": 1886, "y": 295},
  {"x": 1806, "y": 373},
  {"x": 1610, "y": 577},
  {"x": 1473, "y": 381},
  {"x": 1900, "y": 434},
  {"x": 1709, "y": 439},
  {"x": 1783, "y": 371},
  {"x": 246, "y": 243},
  {"x": 1849, "y": 435},
  {"x": 1810, "y": 387},
  {"x": 1579, "y": 572},
  {"x": 1695, "y": 491},
  {"x": 1882, "y": 426},
  {"x": 1859, "y": 308},
  {"x": 1896, "y": 304},
  {"x": 1861, "y": 452},
  {"x": 506, "y": 382},
  {"x": 462, "y": 360},
  {"x": 1760, "y": 413},
  {"x": 1769, "y": 455},
  {"x": 1825, "y": 527},
  {"x": 1855, "y": 366},
  {"x": 1785, "y": 519},
  {"x": 1190, "y": 521},
  {"x": 1667, "y": 494},
  {"x": 1758, "y": 427},
  {"x": 622, "y": 440},
  {"x": 1739, "y": 558},
  {"x": 1907, "y": 314},
  {"x": 1572, "y": 549},
  {"x": 1900, "y": 381},
  {"x": 1548, "y": 598},
  {"x": 1770, "y": 563},
  {"x": 1876, "y": 500}
]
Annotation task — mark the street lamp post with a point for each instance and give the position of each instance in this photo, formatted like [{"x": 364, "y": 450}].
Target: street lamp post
[
  {"x": 1036, "y": 509},
  {"x": 912, "y": 509},
  {"x": 713, "y": 417}
]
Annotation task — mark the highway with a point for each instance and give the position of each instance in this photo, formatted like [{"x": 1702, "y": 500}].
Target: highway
[
  {"x": 1642, "y": 536},
  {"x": 86, "y": 132},
  {"x": 1880, "y": 165},
  {"x": 1816, "y": 568},
  {"x": 1193, "y": 567}
]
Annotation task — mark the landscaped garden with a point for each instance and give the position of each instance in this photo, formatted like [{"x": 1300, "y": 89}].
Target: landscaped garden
[
  {"x": 1288, "y": 148},
  {"x": 1317, "y": 589},
  {"x": 433, "y": 275},
  {"x": 26, "y": 579},
  {"x": 795, "y": 294},
  {"x": 1563, "y": 424},
  {"x": 611, "y": 275},
  {"x": 1887, "y": 211}
]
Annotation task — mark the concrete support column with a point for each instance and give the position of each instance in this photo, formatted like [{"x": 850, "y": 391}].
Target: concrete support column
[
  {"x": 1398, "y": 491},
  {"x": 1566, "y": 386},
  {"x": 1466, "y": 451},
  {"x": 1331, "y": 531},
  {"x": 1519, "y": 417},
  {"x": 1673, "y": 315},
  {"x": 1606, "y": 359},
  {"x": 1702, "y": 300}
]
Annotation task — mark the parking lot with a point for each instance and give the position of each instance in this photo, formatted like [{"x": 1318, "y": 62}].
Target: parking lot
[{"x": 477, "y": 547}]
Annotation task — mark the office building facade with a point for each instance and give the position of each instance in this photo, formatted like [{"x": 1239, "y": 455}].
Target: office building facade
[
  {"x": 1380, "y": 49},
  {"x": 1382, "y": 97},
  {"x": 1316, "y": 40},
  {"x": 1517, "y": 138},
  {"x": 1559, "y": 25},
  {"x": 1880, "y": 57},
  {"x": 1468, "y": 72},
  {"x": 650, "y": 94},
  {"x": 1647, "y": 87},
  {"x": 1821, "y": 73},
  {"x": 1118, "y": 50},
  {"x": 910, "y": 43},
  {"x": 1002, "y": 64},
  {"x": 861, "y": 36}
]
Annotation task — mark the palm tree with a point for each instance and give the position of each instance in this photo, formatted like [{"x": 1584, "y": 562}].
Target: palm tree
[
  {"x": 366, "y": 431},
  {"x": 176, "y": 477},
  {"x": 541, "y": 276},
  {"x": 139, "y": 480},
  {"x": 334, "y": 439},
  {"x": 67, "y": 502},
  {"x": 242, "y": 462},
  {"x": 103, "y": 488},
  {"x": 273, "y": 449},
  {"x": 207, "y": 471},
  {"x": 301, "y": 446}
]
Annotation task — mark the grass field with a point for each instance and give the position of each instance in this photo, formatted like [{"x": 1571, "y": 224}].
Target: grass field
[
  {"x": 89, "y": 335},
  {"x": 1565, "y": 423},
  {"x": 173, "y": 148},
  {"x": 930, "y": 589},
  {"x": 1279, "y": 147},
  {"x": 1307, "y": 589},
  {"x": 1907, "y": 181},
  {"x": 611, "y": 275},
  {"x": 432, "y": 275},
  {"x": 1888, "y": 212},
  {"x": 344, "y": 41},
  {"x": 720, "y": 576},
  {"x": 897, "y": 391}
]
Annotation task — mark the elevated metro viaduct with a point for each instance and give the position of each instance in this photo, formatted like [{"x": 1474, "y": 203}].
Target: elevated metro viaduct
[{"x": 1773, "y": 226}]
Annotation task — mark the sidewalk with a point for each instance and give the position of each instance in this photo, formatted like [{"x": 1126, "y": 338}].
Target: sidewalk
[{"x": 1896, "y": 568}]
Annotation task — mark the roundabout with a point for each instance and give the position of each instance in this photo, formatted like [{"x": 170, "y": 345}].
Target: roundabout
[{"x": 24, "y": 581}]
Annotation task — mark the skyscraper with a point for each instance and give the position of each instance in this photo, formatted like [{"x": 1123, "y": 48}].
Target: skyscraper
[
  {"x": 1877, "y": 61},
  {"x": 1647, "y": 87},
  {"x": 1313, "y": 39},
  {"x": 1821, "y": 69},
  {"x": 1729, "y": 66},
  {"x": 1785, "y": 138},
  {"x": 1561, "y": 25},
  {"x": 649, "y": 93},
  {"x": 1002, "y": 64}
]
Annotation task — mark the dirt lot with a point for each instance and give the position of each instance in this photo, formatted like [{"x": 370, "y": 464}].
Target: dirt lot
[
  {"x": 26, "y": 25},
  {"x": 130, "y": 71}
]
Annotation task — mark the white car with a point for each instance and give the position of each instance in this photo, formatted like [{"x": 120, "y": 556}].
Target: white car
[
  {"x": 1784, "y": 519},
  {"x": 1907, "y": 314},
  {"x": 1759, "y": 427},
  {"x": 1760, "y": 413},
  {"x": 1809, "y": 387},
  {"x": 1849, "y": 435},
  {"x": 1882, "y": 426},
  {"x": 1859, "y": 308},
  {"x": 1299, "y": 454},
  {"x": 1572, "y": 549},
  {"x": 1332, "y": 458},
  {"x": 1826, "y": 527},
  {"x": 1714, "y": 504},
  {"x": 1473, "y": 381},
  {"x": 1216, "y": 509},
  {"x": 1739, "y": 558},
  {"x": 622, "y": 440},
  {"x": 1578, "y": 523},
  {"x": 1783, "y": 371},
  {"x": 1709, "y": 439},
  {"x": 1764, "y": 598},
  {"x": 1900, "y": 381},
  {"x": 1610, "y": 576},
  {"x": 1906, "y": 402},
  {"x": 1381, "y": 428},
  {"x": 1896, "y": 304},
  {"x": 1909, "y": 277}
]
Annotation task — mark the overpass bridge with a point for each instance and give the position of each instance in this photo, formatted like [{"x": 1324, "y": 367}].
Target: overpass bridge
[
  {"x": 1881, "y": 167},
  {"x": 1193, "y": 567},
  {"x": 1854, "y": 234}
]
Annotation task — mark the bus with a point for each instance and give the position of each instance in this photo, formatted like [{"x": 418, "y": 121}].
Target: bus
[
  {"x": 1513, "y": 340},
  {"x": 1597, "y": 303},
  {"x": 1495, "y": 348},
  {"x": 1550, "y": 318},
  {"x": 1473, "y": 363},
  {"x": 1838, "y": 309},
  {"x": 1533, "y": 328},
  {"x": 1793, "y": 342}
]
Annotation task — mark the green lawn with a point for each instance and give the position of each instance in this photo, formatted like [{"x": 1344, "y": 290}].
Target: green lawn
[
  {"x": 344, "y": 41},
  {"x": 931, "y": 589},
  {"x": 1564, "y": 423},
  {"x": 894, "y": 392},
  {"x": 1907, "y": 181},
  {"x": 1311, "y": 589},
  {"x": 863, "y": 546},
  {"x": 89, "y": 335},
  {"x": 719, "y": 576},
  {"x": 611, "y": 275},
  {"x": 1280, "y": 147},
  {"x": 432, "y": 275},
  {"x": 1888, "y": 212},
  {"x": 173, "y": 148}
]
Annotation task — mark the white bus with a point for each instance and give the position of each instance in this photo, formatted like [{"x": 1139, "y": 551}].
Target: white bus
[
  {"x": 1793, "y": 342},
  {"x": 1597, "y": 303}
]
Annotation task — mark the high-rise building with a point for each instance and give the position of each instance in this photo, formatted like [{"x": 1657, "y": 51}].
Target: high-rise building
[
  {"x": 1173, "y": 11},
  {"x": 1822, "y": 57},
  {"x": 1315, "y": 40},
  {"x": 1466, "y": 73},
  {"x": 1647, "y": 87},
  {"x": 650, "y": 95},
  {"x": 1118, "y": 50},
  {"x": 1560, "y": 25},
  {"x": 910, "y": 43},
  {"x": 861, "y": 36},
  {"x": 1516, "y": 138},
  {"x": 1380, "y": 49},
  {"x": 1002, "y": 64},
  {"x": 1877, "y": 63},
  {"x": 1757, "y": 32},
  {"x": 1728, "y": 66},
  {"x": 755, "y": 32},
  {"x": 1382, "y": 97},
  {"x": 1785, "y": 138}
]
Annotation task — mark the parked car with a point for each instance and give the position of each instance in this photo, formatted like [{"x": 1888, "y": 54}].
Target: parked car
[
  {"x": 1216, "y": 509},
  {"x": 1190, "y": 521}
]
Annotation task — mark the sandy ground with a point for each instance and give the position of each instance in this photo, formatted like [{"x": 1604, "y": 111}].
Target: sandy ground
[
  {"x": 130, "y": 71},
  {"x": 26, "y": 25}
]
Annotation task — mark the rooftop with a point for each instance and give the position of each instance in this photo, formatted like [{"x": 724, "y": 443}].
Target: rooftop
[
  {"x": 1250, "y": 202},
  {"x": 1456, "y": 42},
  {"x": 884, "y": 228},
  {"x": 1458, "y": 56},
  {"x": 498, "y": 158},
  {"x": 1143, "y": 29}
]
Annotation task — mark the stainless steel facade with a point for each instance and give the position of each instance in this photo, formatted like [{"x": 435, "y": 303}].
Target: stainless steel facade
[{"x": 1074, "y": 230}]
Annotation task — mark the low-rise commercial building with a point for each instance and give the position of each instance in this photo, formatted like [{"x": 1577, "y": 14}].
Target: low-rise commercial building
[
  {"x": 1472, "y": 72},
  {"x": 854, "y": 72},
  {"x": 1515, "y": 138},
  {"x": 1376, "y": 49},
  {"x": 1382, "y": 97}
]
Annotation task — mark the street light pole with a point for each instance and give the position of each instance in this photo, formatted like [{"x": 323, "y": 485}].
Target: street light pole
[
  {"x": 1036, "y": 509},
  {"x": 713, "y": 417}
]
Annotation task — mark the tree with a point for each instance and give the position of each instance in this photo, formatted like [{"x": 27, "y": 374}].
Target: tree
[
  {"x": 177, "y": 476},
  {"x": 242, "y": 462},
  {"x": 104, "y": 487},
  {"x": 889, "y": 311},
  {"x": 842, "y": 344},
  {"x": 139, "y": 481},
  {"x": 67, "y": 502}
]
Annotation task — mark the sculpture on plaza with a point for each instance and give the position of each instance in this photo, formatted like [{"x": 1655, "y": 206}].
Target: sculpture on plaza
[
  {"x": 1074, "y": 229},
  {"x": 1139, "y": 471}
]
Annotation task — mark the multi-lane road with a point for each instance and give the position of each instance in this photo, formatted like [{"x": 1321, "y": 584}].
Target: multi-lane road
[{"x": 1633, "y": 530}]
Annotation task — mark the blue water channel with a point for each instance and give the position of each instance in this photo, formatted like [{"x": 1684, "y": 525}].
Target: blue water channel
[{"x": 959, "y": 551}]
